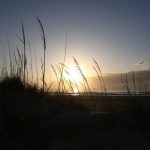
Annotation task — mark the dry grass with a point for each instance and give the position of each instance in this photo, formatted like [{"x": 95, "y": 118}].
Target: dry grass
[
  {"x": 100, "y": 77},
  {"x": 20, "y": 67},
  {"x": 44, "y": 52}
]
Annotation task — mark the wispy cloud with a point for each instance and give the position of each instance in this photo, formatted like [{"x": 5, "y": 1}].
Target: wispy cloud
[
  {"x": 140, "y": 63},
  {"x": 147, "y": 67}
]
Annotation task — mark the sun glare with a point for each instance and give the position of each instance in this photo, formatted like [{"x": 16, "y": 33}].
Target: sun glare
[{"x": 73, "y": 74}]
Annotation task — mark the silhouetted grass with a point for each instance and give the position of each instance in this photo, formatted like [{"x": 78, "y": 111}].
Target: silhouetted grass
[
  {"x": 62, "y": 68},
  {"x": 30, "y": 119},
  {"x": 44, "y": 53},
  {"x": 23, "y": 108},
  {"x": 83, "y": 76},
  {"x": 24, "y": 59},
  {"x": 100, "y": 77}
]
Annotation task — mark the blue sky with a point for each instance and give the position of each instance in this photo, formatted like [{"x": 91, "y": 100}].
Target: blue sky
[{"x": 114, "y": 32}]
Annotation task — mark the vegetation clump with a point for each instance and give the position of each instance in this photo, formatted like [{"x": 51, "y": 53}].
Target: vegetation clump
[
  {"x": 37, "y": 118},
  {"x": 26, "y": 114}
]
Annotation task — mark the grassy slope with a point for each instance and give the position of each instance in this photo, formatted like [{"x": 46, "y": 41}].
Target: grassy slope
[{"x": 31, "y": 120}]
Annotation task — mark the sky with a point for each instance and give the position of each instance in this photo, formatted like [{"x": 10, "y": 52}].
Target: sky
[{"x": 114, "y": 32}]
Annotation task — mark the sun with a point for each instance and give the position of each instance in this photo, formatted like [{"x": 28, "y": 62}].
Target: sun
[{"x": 73, "y": 74}]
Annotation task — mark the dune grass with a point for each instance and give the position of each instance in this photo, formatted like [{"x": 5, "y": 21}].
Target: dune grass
[
  {"x": 19, "y": 67},
  {"x": 43, "y": 61},
  {"x": 31, "y": 120},
  {"x": 33, "y": 117}
]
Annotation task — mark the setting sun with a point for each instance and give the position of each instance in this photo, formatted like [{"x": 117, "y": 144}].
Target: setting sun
[{"x": 73, "y": 74}]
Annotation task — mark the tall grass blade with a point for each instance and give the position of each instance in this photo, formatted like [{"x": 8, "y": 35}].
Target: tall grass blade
[
  {"x": 44, "y": 48},
  {"x": 83, "y": 76},
  {"x": 101, "y": 76},
  {"x": 62, "y": 70}
]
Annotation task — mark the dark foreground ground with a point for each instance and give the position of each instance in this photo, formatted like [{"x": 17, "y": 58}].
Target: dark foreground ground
[
  {"x": 79, "y": 131},
  {"x": 30, "y": 120}
]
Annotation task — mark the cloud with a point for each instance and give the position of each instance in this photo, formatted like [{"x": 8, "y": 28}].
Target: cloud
[
  {"x": 113, "y": 81},
  {"x": 144, "y": 63},
  {"x": 147, "y": 67},
  {"x": 141, "y": 62}
]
